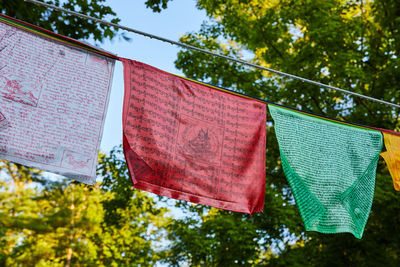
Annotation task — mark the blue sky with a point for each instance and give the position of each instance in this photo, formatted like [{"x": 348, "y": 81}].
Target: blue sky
[{"x": 180, "y": 17}]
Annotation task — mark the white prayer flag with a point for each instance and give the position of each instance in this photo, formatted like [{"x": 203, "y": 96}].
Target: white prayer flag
[{"x": 53, "y": 103}]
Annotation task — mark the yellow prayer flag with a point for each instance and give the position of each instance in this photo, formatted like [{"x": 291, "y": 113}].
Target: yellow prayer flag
[{"x": 392, "y": 156}]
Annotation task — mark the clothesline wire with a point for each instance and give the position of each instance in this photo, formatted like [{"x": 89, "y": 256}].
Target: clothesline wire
[{"x": 152, "y": 36}]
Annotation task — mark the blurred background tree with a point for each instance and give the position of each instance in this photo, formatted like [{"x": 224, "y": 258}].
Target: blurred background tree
[
  {"x": 351, "y": 44},
  {"x": 354, "y": 45},
  {"x": 62, "y": 23},
  {"x": 48, "y": 223},
  {"x": 44, "y": 222}
]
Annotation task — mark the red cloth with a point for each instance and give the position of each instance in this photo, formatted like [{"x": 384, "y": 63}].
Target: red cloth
[{"x": 189, "y": 141}]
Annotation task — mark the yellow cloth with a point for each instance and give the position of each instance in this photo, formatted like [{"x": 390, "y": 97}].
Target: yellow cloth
[{"x": 392, "y": 156}]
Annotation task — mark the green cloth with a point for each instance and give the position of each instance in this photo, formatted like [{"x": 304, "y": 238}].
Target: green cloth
[{"x": 331, "y": 169}]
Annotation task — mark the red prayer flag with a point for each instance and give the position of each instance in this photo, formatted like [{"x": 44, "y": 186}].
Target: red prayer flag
[{"x": 191, "y": 141}]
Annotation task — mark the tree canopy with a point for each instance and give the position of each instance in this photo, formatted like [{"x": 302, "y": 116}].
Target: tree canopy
[
  {"x": 349, "y": 44},
  {"x": 47, "y": 221},
  {"x": 61, "y": 223}
]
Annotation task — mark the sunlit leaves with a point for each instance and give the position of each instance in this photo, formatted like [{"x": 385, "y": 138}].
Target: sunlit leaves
[{"x": 62, "y": 23}]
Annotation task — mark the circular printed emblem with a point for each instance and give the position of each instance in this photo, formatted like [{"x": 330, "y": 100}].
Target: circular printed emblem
[{"x": 200, "y": 143}]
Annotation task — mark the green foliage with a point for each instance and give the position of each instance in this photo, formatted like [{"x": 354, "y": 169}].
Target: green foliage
[
  {"x": 133, "y": 224},
  {"x": 219, "y": 238},
  {"x": 62, "y": 23},
  {"x": 72, "y": 224},
  {"x": 349, "y": 44},
  {"x": 157, "y": 5}
]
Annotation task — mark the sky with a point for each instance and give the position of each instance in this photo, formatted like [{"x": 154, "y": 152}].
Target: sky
[{"x": 179, "y": 18}]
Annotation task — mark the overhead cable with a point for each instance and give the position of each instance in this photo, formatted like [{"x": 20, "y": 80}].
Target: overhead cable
[{"x": 212, "y": 53}]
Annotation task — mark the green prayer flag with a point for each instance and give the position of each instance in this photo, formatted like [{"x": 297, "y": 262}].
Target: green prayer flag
[{"x": 330, "y": 167}]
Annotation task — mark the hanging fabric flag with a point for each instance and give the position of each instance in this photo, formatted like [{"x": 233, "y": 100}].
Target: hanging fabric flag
[
  {"x": 392, "y": 156},
  {"x": 53, "y": 99},
  {"x": 331, "y": 168},
  {"x": 190, "y": 141},
  {"x": 3, "y": 122}
]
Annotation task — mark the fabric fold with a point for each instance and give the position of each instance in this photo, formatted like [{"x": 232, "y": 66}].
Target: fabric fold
[
  {"x": 392, "y": 156},
  {"x": 191, "y": 141},
  {"x": 311, "y": 209},
  {"x": 356, "y": 198},
  {"x": 54, "y": 94},
  {"x": 330, "y": 167}
]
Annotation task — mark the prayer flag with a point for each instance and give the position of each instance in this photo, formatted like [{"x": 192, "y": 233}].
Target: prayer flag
[
  {"x": 193, "y": 142},
  {"x": 53, "y": 100},
  {"x": 392, "y": 156},
  {"x": 330, "y": 167}
]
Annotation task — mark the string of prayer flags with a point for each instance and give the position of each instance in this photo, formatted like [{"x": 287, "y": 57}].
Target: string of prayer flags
[
  {"x": 53, "y": 99},
  {"x": 190, "y": 141},
  {"x": 330, "y": 167},
  {"x": 182, "y": 138},
  {"x": 392, "y": 156}
]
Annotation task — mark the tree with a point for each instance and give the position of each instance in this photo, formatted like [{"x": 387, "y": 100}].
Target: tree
[
  {"x": 48, "y": 223},
  {"x": 62, "y": 23},
  {"x": 72, "y": 224},
  {"x": 348, "y": 44},
  {"x": 133, "y": 224}
]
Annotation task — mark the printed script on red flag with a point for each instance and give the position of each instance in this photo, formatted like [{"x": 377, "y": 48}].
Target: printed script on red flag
[
  {"x": 53, "y": 101},
  {"x": 192, "y": 142}
]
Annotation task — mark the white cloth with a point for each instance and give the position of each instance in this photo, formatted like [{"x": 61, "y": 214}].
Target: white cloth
[{"x": 53, "y": 102}]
